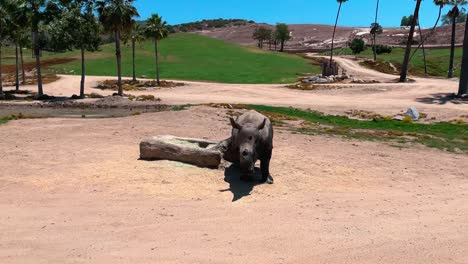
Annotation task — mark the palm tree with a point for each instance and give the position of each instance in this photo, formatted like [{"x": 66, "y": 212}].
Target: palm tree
[
  {"x": 36, "y": 15},
  {"x": 18, "y": 21},
  {"x": 404, "y": 66},
  {"x": 117, "y": 16},
  {"x": 375, "y": 29},
  {"x": 156, "y": 29},
  {"x": 441, "y": 4},
  {"x": 453, "y": 14},
  {"x": 136, "y": 34},
  {"x": 3, "y": 24},
  {"x": 463, "y": 88},
  {"x": 334, "y": 29}
]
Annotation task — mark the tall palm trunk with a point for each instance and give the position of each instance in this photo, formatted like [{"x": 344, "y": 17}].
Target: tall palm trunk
[
  {"x": 133, "y": 60},
  {"x": 404, "y": 66},
  {"x": 22, "y": 65},
  {"x": 375, "y": 34},
  {"x": 463, "y": 88},
  {"x": 37, "y": 54},
  {"x": 157, "y": 61},
  {"x": 334, "y": 31},
  {"x": 118, "y": 54},
  {"x": 452, "y": 43},
  {"x": 423, "y": 49},
  {"x": 1, "y": 79},
  {"x": 430, "y": 33},
  {"x": 16, "y": 67},
  {"x": 83, "y": 76}
]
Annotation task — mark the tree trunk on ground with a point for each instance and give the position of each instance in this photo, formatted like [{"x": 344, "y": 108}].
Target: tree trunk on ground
[
  {"x": 133, "y": 60},
  {"x": 1, "y": 79},
  {"x": 452, "y": 46},
  {"x": 374, "y": 48},
  {"x": 157, "y": 61},
  {"x": 334, "y": 31},
  {"x": 37, "y": 54},
  {"x": 463, "y": 88},
  {"x": 404, "y": 66},
  {"x": 429, "y": 34},
  {"x": 276, "y": 45},
  {"x": 423, "y": 49},
  {"x": 83, "y": 76},
  {"x": 375, "y": 35},
  {"x": 282, "y": 46},
  {"x": 118, "y": 54},
  {"x": 23, "y": 74},
  {"x": 16, "y": 67}
]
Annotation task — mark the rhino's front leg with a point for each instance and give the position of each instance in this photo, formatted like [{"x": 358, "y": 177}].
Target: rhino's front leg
[{"x": 265, "y": 168}]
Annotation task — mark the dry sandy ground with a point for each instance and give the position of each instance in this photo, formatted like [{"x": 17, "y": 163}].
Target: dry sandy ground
[
  {"x": 387, "y": 98},
  {"x": 74, "y": 191}
]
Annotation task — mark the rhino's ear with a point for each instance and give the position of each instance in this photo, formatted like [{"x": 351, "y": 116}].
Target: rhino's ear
[
  {"x": 262, "y": 125},
  {"x": 234, "y": 124}
]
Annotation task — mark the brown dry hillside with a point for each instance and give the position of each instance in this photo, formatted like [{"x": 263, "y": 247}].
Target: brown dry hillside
[{"x": 311, "y": 36}]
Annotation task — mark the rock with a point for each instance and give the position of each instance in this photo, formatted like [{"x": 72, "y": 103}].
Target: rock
[
  {"x": 193, "y": 151},
  {"x": 413, "y": 113},
  {"x": 322, "y": 80},
  {"x": 398, "y": 118}
]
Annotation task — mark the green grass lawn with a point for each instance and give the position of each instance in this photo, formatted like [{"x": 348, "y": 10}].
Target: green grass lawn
[
  {"x": 446, "y": 136},
  {"x": 187, "y": 56},
  {"x": 437, "y": 60}
]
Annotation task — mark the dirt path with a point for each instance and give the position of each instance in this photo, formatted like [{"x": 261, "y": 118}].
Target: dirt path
[
  {"x": 74, "y": 191},
  {"x": 428, "y": 95}
]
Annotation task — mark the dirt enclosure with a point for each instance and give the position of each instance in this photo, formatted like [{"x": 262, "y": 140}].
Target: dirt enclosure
[{"x": 74, "y": 191}]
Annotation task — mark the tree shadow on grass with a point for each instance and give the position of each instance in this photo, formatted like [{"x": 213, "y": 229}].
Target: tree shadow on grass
[
  {"x": 442, "y": 99},
  {"x": 238, "y": 187}
]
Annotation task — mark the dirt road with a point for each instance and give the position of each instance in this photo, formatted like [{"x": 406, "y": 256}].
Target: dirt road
[
  {"x": 74, "y": 191},
  {"x": 428, "y": 95}
]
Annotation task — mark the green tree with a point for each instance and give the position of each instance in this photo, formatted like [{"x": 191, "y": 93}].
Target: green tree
[
  {"x": 262, "y": 34},
  {"x": 37, "y": 15},
  {"x": 117, "y": 16},
  {"x": 463, "y": 88},
  {"x": 334, "y": 29},
  {"x": 376, "y": 29},
  {"x": 134, "y": 35},
  {"x": 156, "y": 29},
  {"x": 282, "y": 34},
  {"x": 18, "y": 23},
  {"x": 447, "y": 19},
  {"x": 404, "y": 66},
  {"x": 76, "y": 27},
  {"x": 357, "y": 45},
  {"x": 404, "y": 21}
]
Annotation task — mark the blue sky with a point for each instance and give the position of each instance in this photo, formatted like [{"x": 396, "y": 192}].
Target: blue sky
[{"x": 355, "y": 12}]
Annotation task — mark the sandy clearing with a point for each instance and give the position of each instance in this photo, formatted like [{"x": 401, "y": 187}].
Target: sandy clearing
[{"x": 74, "y": 191}]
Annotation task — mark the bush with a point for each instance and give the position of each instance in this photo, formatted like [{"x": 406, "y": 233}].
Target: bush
[
  {"x": 381, "y": 49},
  {"x": 357, "y": 45}
]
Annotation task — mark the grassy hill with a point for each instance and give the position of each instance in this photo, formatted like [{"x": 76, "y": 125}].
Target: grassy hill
[
  {"x": 188, "y": 56},
  {"x": 437, "y": 60}
]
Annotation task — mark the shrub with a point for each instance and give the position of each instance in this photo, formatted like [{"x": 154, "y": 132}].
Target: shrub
[
  {"x": 381, "y": 49},
  {"x": 357, "y": 45}
]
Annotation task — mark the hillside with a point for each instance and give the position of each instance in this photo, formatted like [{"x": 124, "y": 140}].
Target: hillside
[
  {"x": 310, "y": 36},
  {"x": 187, "y": 56}
]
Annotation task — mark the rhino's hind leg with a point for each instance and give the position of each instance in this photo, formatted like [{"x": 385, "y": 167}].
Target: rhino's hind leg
[{"x": 265, "y": 168}]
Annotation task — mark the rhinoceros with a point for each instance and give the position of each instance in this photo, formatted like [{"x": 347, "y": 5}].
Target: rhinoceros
[{"x": 251, "y": 140}]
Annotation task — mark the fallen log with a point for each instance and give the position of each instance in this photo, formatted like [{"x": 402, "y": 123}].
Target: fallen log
[{"x": 199, "y": 152}]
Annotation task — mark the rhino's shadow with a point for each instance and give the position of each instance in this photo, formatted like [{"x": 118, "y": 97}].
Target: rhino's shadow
[{"x": 238, "y": 187}]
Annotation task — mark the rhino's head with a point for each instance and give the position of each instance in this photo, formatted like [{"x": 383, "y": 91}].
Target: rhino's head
[{"x": 247, "y": 139}]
